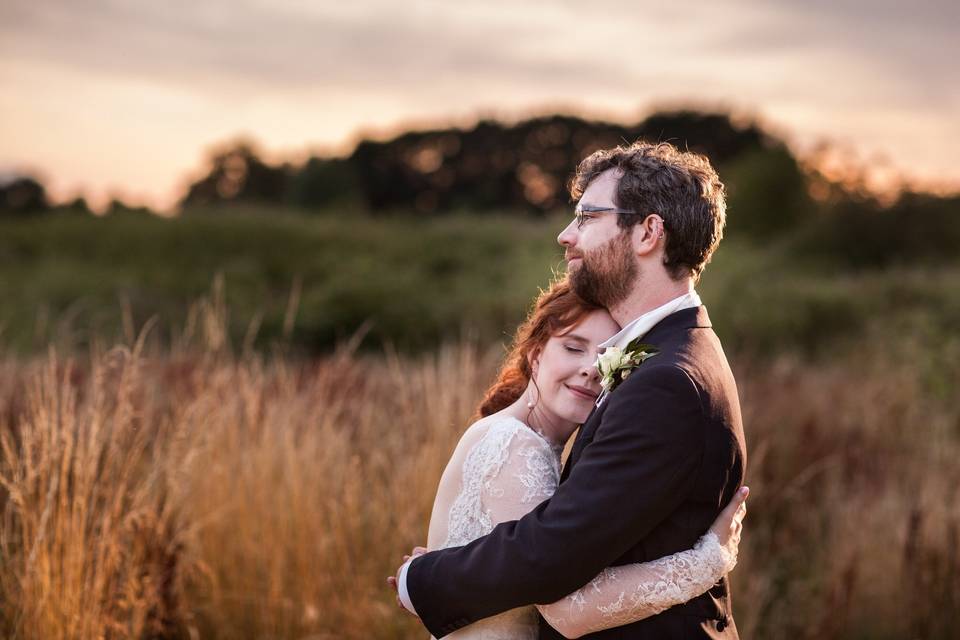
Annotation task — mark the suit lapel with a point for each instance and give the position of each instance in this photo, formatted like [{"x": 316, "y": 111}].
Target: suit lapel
[{"x": 658, "y": 334}]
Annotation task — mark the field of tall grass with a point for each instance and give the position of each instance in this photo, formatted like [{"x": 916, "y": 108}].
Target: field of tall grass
[{"x": 204, "y": 490}]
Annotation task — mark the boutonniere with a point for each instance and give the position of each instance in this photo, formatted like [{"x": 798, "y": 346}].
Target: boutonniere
[{"x": 616, "y": 364}]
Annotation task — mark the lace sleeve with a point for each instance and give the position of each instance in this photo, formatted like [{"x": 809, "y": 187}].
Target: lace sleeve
[{"x": 624, "y": 594}]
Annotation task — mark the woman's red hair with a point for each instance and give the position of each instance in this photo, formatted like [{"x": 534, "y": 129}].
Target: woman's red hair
[{"x": 555, "y": 310}]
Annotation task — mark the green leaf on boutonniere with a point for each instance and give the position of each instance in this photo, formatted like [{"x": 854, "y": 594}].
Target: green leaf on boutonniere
[
  {"x": 616, "y": 364},
  {"x": 641, "y": 347}
]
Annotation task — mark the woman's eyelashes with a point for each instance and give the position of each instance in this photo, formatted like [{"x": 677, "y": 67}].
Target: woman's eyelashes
[{"x": 572, "y": 349}]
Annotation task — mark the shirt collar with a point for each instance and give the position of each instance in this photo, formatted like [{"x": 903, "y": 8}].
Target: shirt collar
[{"x": 640, "y": 326}]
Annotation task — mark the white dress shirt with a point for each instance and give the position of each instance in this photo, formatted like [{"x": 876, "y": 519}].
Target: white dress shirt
[
  {"x": 639, "y": 327},
  {"x": 635, "y": 329},
  {"x": 402, "y": 587}
]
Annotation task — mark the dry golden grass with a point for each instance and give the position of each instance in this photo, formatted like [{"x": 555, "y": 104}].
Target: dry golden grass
[{"x": 197, "y": 493}]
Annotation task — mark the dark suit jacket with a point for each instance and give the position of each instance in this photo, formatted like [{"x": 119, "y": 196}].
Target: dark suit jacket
[{"x": 650, "y": 470}]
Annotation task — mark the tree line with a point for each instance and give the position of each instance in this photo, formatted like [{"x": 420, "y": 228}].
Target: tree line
[{"x": 525, "y": 167}]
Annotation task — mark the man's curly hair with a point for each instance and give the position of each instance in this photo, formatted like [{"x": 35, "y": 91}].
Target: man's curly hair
[{"x": 680, "y": 186}]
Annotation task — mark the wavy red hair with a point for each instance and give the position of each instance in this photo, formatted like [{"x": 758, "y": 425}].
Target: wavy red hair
[{"x": 555, "y": 310}]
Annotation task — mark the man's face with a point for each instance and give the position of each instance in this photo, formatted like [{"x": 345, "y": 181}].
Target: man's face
[{"x": 599, "y": 254}]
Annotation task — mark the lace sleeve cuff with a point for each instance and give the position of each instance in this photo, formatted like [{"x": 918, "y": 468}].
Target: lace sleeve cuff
[{"x": 717, "y": 557}]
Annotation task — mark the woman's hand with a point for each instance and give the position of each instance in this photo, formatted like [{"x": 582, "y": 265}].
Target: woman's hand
[
  {"x": 417, "y": 551},
  {"x": 729, "y": 523},
  {"x": 393, "y": 580}
]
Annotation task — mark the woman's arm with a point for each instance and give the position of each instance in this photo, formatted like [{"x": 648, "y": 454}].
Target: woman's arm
[{"x": 625, "y": 594}]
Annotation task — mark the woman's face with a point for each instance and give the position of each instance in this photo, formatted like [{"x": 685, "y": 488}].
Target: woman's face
[{"x": 565, "y": 371}]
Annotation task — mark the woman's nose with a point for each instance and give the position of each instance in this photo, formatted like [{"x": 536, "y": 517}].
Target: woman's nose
[{"x": 590, "y": 372}]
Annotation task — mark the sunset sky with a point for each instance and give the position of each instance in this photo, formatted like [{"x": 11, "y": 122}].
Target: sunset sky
[{"x": 122, "y": 97}]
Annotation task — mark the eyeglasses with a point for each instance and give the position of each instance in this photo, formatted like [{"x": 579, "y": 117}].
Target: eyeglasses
[{"x": 583, "y": 213}]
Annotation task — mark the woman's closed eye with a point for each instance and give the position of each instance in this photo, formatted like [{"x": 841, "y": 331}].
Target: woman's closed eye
[{"x": 572, "y": 349}]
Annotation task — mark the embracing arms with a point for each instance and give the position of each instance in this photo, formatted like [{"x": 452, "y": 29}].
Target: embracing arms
[
  {"x": 618, "y": 595},
  {"x": 628, "y": 593},
  {"x": 641, "y": 464}
]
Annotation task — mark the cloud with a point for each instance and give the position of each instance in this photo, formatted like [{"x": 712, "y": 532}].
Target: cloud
[
  {"x": 289, "y": 70},
  {"x": 427, "y": 48}
]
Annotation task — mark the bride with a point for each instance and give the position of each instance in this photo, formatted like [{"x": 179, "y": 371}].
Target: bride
[{"x": 508, "y": 461}]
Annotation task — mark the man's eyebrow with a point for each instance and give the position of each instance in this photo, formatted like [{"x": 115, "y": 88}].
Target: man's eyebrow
[{"x": 590, "y": 205}]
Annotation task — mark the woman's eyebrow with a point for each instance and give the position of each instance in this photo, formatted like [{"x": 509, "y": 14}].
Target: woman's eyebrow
[{"x": 576, "y": 337}]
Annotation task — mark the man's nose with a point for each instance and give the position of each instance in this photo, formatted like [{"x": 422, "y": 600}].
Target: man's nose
[{"x": 568, "y": 237}]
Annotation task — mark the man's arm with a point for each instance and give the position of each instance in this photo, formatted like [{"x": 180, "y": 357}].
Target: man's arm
[{"x": 640, "y": 466}]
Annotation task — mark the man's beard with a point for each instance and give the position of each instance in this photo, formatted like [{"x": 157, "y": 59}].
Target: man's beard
[{"x": 606, "y": 275}]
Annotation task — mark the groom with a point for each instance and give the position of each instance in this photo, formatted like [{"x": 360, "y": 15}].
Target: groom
[{"x": 660, "y": 455}]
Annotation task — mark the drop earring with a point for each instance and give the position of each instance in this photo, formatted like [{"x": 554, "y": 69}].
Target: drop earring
[{"x": 531, "y": 403}]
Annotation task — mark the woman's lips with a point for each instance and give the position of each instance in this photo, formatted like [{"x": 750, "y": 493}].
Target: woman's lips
[{"x": 581, "y": 392}]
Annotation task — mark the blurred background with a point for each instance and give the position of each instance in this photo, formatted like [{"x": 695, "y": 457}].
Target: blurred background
[{"x": 259, "y": 261}]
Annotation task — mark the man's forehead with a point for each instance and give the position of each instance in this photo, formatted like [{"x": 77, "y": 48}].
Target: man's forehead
[{"x": 602, "y": 190}]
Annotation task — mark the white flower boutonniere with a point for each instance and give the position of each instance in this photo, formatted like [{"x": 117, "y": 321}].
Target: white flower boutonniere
[{"x": 616, "y": 364}]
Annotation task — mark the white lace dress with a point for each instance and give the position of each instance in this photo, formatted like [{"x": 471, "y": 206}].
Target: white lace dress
[{"x": 500, "y": 470}]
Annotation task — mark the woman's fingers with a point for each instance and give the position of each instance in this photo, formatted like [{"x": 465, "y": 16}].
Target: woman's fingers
[
  {"x": 741, "y": 495},
  {"x": 740, "y": 514},
  {"x": 727, "y": 523},
  {"x": 417, "y": 551},
  {"x": 736, "y": 524},
  {"x": 736, "y": 504}
]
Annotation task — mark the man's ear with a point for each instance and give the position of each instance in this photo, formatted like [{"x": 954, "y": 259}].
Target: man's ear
[
  {"x": 638, "y": 240},
  {"x": 646, "y": 235}
]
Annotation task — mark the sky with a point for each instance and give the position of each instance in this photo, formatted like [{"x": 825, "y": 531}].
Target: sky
[{"x": 108, "y": 98}]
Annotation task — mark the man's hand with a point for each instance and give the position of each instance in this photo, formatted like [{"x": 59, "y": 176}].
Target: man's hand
[{"x": 393, "y": 580}]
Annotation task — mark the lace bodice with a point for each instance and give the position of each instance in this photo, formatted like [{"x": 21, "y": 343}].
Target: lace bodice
[
  {"x": 500, "y": 470},
  {"x": 507, "y": 449}
]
